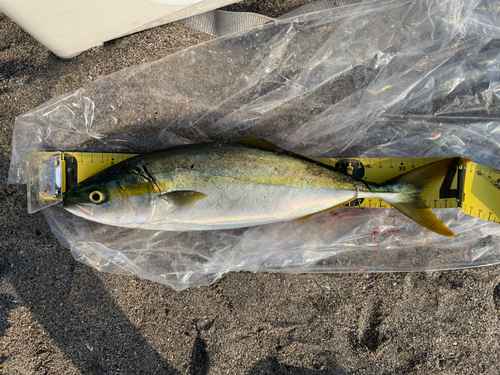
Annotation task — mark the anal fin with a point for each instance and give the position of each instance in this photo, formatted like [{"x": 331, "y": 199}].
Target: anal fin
[{"x": 326, "y": 209}]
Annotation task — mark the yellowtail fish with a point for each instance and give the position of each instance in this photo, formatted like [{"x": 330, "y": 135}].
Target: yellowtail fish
[{"x": 232, "y": 185}]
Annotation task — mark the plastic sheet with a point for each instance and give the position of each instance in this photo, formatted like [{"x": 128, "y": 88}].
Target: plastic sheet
[{"x": 377, "y": 79}]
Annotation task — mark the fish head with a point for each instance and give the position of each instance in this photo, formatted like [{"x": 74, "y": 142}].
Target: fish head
[{"x": 114, "y": 198}]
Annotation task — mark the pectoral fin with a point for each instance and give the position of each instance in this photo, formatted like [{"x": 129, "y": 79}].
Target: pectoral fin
[{"x": 183, "y": 197}]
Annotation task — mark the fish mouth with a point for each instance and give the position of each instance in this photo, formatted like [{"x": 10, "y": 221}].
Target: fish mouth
[{"x": 75, "y": 209}]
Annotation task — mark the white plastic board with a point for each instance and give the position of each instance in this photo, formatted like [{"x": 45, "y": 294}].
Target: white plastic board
[{"x": 70, "y": 27}]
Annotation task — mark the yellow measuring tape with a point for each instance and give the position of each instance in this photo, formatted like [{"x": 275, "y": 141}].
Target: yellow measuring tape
[{"x": 472, "y": 187}]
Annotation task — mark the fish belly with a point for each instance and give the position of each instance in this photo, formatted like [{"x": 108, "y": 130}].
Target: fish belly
[{"x": 244, "y": 205}]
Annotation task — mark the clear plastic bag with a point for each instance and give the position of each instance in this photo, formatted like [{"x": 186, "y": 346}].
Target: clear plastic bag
[{"x": 377, "y": 79}]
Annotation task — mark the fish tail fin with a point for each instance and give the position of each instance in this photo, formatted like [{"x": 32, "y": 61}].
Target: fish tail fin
[{"x": 407, "y": 193}]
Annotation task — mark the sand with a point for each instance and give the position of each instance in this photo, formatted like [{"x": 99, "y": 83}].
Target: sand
[{"x": 61, "y": 317}]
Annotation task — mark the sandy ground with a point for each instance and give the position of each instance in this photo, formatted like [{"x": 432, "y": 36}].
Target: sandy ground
[{"x": 60, "y": 317}]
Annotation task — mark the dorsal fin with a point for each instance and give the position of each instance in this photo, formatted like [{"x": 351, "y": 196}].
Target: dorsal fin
[
  {"x": 262, "y": 143},
  {"x": 258, "y": 142}
]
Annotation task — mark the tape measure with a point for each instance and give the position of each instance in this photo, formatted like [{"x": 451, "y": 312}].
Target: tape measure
[
  {"x": 447, "y": 192},
  {"x": 471, "y": 187}
]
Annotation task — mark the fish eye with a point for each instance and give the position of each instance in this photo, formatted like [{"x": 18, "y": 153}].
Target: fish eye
[{"x": 96, "y": 197}]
